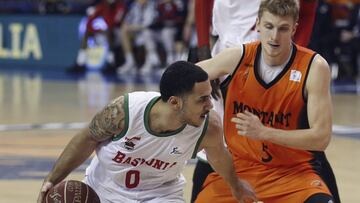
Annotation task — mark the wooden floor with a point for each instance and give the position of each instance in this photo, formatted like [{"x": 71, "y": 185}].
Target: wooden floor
[{"x": 38, "y": 115}]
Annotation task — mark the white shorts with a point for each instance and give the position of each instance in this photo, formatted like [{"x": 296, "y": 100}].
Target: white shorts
[{"x": 169, "y": 192}]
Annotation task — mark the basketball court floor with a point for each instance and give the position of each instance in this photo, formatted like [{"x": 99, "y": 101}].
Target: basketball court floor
[{"x": 40, "y": 112}]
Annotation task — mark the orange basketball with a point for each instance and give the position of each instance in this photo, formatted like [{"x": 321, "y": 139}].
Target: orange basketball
[{"x": 70, "y": 191}]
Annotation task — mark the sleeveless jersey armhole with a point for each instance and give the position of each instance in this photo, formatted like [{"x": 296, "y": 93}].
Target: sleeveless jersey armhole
[
  {"x": 306, "y": 77},
  {"x": 224, "y": 85}
]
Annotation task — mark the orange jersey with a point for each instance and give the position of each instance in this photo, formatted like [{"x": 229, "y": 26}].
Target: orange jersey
[{"x": 280, "y": 104}]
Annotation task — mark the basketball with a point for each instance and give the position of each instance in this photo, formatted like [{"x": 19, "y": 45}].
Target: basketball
[{"x": 71, "y": 191}]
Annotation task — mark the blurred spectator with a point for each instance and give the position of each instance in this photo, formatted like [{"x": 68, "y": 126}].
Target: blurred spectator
[
  {"x": 348, "y": 46},
  {"x": 166, "y": 26},
  {"x": 54, "y": 7},
  {"x": 113, "y": 12},
  {"x": 18, "y": 6},
  {"x": 80, "y": 6},
  {"x": 187, "y": 48},
  {"x": 345, "y": 15},
  {"x": 136, "y": 30},
  {"x": 185, "y": 29},
  {"x": 323, "y": 34}
]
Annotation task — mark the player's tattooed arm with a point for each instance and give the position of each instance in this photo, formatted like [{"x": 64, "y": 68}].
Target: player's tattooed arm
[{"x": 108, "y": 122}]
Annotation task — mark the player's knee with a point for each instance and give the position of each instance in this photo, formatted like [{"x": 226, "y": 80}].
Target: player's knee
[{"x": 320, "y": 198}]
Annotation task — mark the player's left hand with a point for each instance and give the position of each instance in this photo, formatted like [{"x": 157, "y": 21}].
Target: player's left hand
[
  {"x": 243, "y": 192},
  {"x": 249, "y": 125},
  {"x": 44, "y": 188}
]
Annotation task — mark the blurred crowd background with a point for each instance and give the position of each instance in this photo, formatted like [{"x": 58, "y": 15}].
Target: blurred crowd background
[{"x": 143, "y": 36}]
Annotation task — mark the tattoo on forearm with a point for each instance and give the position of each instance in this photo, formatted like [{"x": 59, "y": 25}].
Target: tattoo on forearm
[{"x": 110, "y": 121}]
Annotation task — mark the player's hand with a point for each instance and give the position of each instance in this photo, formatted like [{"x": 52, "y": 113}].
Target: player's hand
[
  {"x": 203, "y": 52},
  {"x": 243, "y": 192},
  {"x": 215, "y": 92},
  {"x": 44, "y": 188},
  {"x": 248, "y": 124}
]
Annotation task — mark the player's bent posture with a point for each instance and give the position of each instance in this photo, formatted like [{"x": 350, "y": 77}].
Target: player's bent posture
[
  {"x": 278, "y": 113},
  {"x": 142, "y": 141}
]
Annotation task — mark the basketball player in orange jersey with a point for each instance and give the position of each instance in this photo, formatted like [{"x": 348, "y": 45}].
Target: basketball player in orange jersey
[
  {"x": 233, "y": 21},
  {"x": 278, "y": 112}
]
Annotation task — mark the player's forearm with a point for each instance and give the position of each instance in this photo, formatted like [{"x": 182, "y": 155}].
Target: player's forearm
[
  {"x": 307, "y": 139},
  {"x": 223, "y": 63},
  {"x": 225, "y": 168},
  {"x": 76, "y": 152}
]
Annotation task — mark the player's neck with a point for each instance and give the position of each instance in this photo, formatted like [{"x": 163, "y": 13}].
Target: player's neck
[{"x": 163, "y": 119}]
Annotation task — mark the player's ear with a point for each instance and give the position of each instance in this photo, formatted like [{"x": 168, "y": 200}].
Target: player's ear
[
  {"x": 257, "y": 24},
  {"x": 294, "y": 29},
  {"x": 175, "y": 102}
]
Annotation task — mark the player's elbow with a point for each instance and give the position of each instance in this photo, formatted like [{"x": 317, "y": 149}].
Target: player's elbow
[
  {"x": 322, "y": 144},
  {"x": 323, "y": 139},
  {"x": 325, "y": 143}
]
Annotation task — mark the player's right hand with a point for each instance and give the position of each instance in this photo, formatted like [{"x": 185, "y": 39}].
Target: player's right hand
[
  {"x": 45, "y": 187},
  {"x": 244, "y": 192}
]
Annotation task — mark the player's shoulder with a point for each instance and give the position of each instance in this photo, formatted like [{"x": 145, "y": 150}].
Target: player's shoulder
[
  {"x": 215, "y": 123},
  {"x": 140, "y": 97},
  {"x": 143, "y": 94},
  {"x": 319, "y": 66},
  {"x": 319, "y": 73},
  {"x": 118, "y": 101}
]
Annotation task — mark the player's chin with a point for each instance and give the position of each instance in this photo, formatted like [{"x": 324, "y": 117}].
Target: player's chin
[
  {"x": 201, "y": 119},
  {"x": 203, "y": 116},
  {"x": 198, "y": 122}
]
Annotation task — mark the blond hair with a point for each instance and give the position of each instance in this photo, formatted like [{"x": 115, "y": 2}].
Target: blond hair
[{"x": 280, "y": 8}]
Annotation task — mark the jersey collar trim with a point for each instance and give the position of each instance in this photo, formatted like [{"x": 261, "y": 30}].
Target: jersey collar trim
[
  {"x": 147, "y": 121},
  {"x": 278, "y": 77}
]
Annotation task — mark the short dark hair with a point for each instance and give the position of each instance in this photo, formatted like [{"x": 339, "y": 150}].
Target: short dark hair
[{"x": 179, "y": 78}]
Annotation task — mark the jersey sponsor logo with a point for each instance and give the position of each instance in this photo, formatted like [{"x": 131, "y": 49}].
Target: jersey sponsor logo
[
  {"x": 267, "y": 118},
  {"x": 122, "y": 158},
  {"x": 315, "y": 183},
  {"x": 176, "y": 150},
  {"x": 295, "y": 75},
  {"x": 129, "y": 144}
]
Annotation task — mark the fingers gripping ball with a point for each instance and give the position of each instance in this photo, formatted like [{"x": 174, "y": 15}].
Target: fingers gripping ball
[{"x": 70, "y": 191}]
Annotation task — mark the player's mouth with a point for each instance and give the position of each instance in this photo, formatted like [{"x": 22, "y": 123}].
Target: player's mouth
[
  {"x": 204, "y": 114},
  {"x": 274, "y": 45}
]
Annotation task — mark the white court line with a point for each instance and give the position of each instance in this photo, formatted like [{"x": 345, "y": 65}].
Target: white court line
[
  {"x": 345, "y": 130},
  {"x": 43, "y": 126},
  {"x": 337, "y": 129}
]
